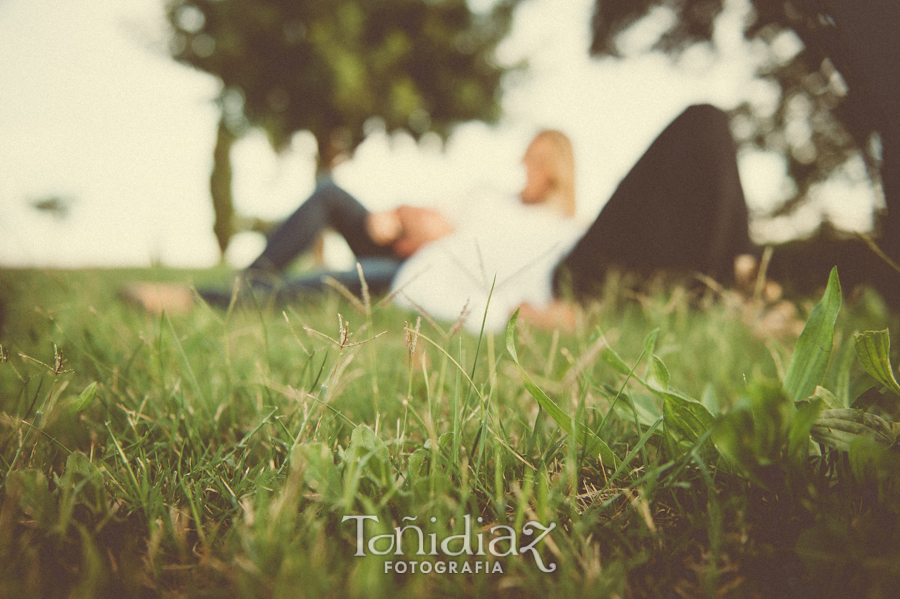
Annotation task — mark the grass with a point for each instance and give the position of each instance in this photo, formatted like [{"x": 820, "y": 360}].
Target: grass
[{"x": 231, "y": 454}]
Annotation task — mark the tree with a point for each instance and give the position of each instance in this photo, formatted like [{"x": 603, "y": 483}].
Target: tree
[
  {"x": 330, "y": 66},
  {"x": 839, "y": 94}
]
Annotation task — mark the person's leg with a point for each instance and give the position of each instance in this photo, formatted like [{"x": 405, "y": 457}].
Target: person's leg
[
  {"x": 680, "y": 207},
  {"x": 378, "y": 274},
  {"x": 328, "y": 206}
]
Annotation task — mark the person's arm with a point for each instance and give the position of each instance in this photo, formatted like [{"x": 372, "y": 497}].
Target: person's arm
[
  {"x": 418, "y": 227},
  {"x": 407, "y": 228},
  {"x": 384, "y": 228}
]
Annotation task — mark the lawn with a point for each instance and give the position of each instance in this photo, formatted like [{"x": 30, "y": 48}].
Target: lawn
[{"x": 680, "y": 443}]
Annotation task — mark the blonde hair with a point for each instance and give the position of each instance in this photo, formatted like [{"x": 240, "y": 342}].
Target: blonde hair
[{"x": 562, "y": 167}]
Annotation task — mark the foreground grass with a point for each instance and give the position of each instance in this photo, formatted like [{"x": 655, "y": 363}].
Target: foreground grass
[{"x": 233, "y": 453}]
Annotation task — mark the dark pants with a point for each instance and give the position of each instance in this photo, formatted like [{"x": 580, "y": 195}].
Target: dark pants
[
  {"x": 865, "y": 48},
  {"x": 681, "y": 207}
]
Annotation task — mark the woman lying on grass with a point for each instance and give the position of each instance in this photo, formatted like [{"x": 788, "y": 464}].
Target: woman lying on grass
[{"x": 681, "y": 207}]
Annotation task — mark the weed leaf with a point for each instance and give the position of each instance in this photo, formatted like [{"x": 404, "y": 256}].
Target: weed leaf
[
  {"x": 85, "y": 397},
  {"x": 417, "y": 468},
  {"x": 687, "y": 417},
  {"x": 33, "y": 492},
  {"x": 866, "y": 455},
  {"x": 657, "y": 375},
  {"x": 831, "y": 401},
  {"x": 650, "y": 341},
  {"x": 640, "y": 403},
  {"x": 319, "y": 471},
  {"x": 810, "y": 360},
  {"x": 874, "y": 350},
  {"x": 370, "y": 454},
  {"x": 610, "y": 356},
  {"x": 801, "y": 426}
]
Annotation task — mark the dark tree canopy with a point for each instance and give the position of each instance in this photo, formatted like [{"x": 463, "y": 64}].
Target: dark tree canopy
[
  {"x": 821, "y": 117},
  {"x": 329, "y": 66}
]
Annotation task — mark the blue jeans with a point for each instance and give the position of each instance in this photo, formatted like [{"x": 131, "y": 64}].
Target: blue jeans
[{"x": 328, "y": 206}]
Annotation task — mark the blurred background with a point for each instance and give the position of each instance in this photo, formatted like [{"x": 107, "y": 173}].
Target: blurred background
[{"x": 114, "y": 114}]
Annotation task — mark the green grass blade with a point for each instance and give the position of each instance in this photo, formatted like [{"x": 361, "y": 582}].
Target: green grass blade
[
  {"x": 810, "y": 360},
  {"x": 196, "y": 384},
  {"x": 136, "y": 487},
  {"x": 593, "y": 444},
  {"x": 637, "y": 448}
]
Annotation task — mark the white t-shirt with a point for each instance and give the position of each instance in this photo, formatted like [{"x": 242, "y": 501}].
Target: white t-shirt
[{"x": 497, "y": 239}]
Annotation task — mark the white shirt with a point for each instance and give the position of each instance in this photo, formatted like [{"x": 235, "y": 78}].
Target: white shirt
[{"x": 498, "y": 241}]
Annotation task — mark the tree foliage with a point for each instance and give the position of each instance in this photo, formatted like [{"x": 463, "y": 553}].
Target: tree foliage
[
  {"x": 817, "y": 123},
  {"x": 329, "y": 66}
]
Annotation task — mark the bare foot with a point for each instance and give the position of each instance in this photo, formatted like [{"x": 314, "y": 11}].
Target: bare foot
[
  {"x": 156, "y": 297},
  {"x": 780, "y": 320},
  {"x": 558, "y": 315},
  {"x": 746, "y": 268}
]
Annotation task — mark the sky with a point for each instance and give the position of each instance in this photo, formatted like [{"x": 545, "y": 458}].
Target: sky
[{"x": 93, "y": 110}]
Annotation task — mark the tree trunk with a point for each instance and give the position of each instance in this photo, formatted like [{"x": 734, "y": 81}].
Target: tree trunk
[
  {"x": 220, "y": 187},
  {"x": 334, "y": 148}
]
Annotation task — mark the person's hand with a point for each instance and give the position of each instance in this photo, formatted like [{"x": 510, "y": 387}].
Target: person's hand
[
  {"x": 384, "y": 228},
  {"x": 418, "y": 227}
]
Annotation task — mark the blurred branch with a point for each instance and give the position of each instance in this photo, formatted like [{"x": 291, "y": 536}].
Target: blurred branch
[{"x": 56, "y": 206}]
